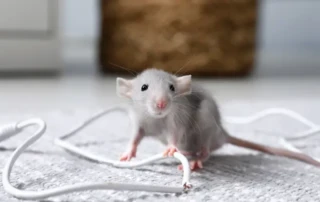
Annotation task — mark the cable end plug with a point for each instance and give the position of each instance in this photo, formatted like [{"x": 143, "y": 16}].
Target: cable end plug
[{"x": 187, "y": 186}]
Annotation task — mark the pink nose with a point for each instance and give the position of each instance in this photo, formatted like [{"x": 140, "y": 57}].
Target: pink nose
[{"x": 161, "y": 104}]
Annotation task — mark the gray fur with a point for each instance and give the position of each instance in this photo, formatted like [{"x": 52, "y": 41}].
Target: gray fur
[{"x": 193, "y": 120}]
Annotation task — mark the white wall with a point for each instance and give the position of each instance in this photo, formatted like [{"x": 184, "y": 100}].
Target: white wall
[
  {"x": 289, "y": 37},
  {"x": 291, "y": 23},
  {"x": 80, "y": 18}
]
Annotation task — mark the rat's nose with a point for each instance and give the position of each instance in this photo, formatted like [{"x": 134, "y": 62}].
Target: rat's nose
[{"x": 161, "y": 104}]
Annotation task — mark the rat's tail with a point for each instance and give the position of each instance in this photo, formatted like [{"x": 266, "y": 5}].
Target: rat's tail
[{"x": 273, "y": 150}]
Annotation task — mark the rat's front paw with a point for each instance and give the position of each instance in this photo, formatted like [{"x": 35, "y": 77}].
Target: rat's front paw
[
  {"x": 128, "y": 155},
  {"x": 170, "y": 150},
  {"x": 194, "y": 165}
]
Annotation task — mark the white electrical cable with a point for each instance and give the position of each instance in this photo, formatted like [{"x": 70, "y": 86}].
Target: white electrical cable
[
  {"x": 314, "y": 129},
  {"x": 13, "y": 129},
  {"x": 8, "y": 131},
  {"x": 94, "y": 157}
]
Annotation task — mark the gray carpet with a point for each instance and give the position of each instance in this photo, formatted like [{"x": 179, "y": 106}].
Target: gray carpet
[{"x": 232, "y": 174}]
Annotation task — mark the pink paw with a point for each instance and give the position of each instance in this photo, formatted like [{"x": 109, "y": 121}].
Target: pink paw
[
  {"x": 194, "y": 165},
  {"x": 128, "y": 156},
  {"x": 170, "y": 151},
  {"x": 203, "y": 154}
]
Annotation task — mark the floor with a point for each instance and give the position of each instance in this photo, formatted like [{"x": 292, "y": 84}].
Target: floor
[
  {"x": 81, "y": 91},
  {"x": 234, "y": 175}
]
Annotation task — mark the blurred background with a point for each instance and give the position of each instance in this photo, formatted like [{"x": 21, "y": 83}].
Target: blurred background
[
  {"x": 59, "y": 60},
  {"x": 287, "y": 34},
  {"x": 55, "y": 50}
]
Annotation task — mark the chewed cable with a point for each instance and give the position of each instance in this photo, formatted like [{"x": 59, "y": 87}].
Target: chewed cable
[
  {"x": 313, "y": 130},
  {"x": 61, "y": 141},
  {"x": 10, "y": 130}
]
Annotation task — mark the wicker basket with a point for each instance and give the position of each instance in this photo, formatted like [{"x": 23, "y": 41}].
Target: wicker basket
[{"x": 199, "y": 37}]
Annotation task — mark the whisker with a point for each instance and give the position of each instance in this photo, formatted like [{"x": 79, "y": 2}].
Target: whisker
[
  {"x": 183, "y": 66},
  {"x": 192, "y": 121},
  {"x": 134, "y": 73},
  {"x": 188, "y": 120},
  {"x": 178, "y": 120},
  {"x": 184, "y": 105}
]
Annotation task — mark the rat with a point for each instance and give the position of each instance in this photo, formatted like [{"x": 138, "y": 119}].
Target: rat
[{"x": 183, "y": 116}]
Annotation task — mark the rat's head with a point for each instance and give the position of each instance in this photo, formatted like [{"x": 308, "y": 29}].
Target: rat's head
[{"x": 153, "y": 91}]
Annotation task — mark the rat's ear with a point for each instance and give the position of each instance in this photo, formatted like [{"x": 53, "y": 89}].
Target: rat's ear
[
  {"x": 124, "y": 87},
  {"x": 184, "y": 85}
]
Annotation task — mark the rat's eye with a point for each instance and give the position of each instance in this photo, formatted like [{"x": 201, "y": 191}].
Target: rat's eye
[
  {"x": 144, "y": 87},
  {"x": 171, "y": 87}
]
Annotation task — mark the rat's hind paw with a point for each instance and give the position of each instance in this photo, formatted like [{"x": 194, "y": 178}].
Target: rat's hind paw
[
  {"x": 194, "y": 165},
  {"x": 170, "y": 151},
  {"x": 128, "y": 156}
]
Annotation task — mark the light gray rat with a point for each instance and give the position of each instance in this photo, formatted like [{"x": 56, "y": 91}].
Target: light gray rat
[{"x": 183, "y": 116}]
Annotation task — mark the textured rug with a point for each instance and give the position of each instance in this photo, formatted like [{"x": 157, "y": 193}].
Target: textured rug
[{"x": 232, "y": 174}]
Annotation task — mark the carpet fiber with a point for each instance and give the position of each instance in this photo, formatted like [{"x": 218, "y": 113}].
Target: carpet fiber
[{"x": 232, "y": 174}]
